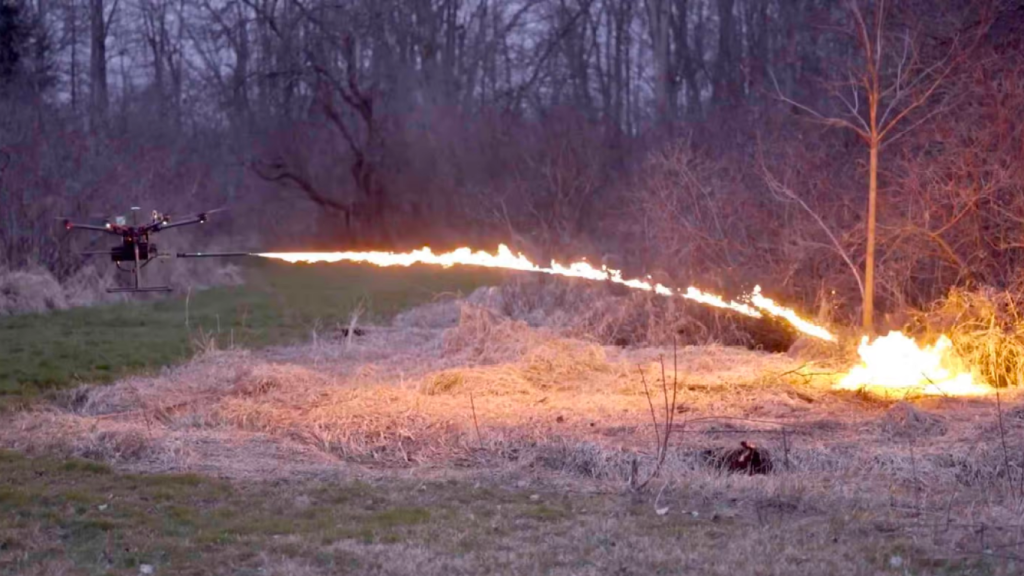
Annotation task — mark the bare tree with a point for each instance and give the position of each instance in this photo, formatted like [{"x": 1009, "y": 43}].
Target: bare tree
[
  {"x": 888, "y": 84},
  {"x": 99, "y": 21}
]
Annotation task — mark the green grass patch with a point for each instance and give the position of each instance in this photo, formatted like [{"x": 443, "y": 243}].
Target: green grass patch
[
  {"x": 85, "y": 466},
  {"x": 54, "y": 515},
  {"x": 400, "y": 517},
  {"x": 181, "y": 521},
  {"x": 545, "y": 513},
  {"x": 281, "y": 303}
]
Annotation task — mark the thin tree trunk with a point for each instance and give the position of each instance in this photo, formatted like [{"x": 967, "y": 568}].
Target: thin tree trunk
[
  {"x": 74, "y": 56},
  {"x": 869, "y": 265},
  {"x": 658, "y": 23},
  {"x": 98, "y": 62}
]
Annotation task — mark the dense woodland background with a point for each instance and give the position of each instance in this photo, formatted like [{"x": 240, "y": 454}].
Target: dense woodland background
[{"x": 706, "y": 141}]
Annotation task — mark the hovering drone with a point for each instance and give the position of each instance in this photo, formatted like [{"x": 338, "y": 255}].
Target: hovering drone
[{"x": 136, "y": 250}]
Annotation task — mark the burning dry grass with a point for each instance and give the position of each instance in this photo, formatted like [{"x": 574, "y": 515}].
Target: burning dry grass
[
  {"x": 492, "y": 396},
  {"x": 987, "y": 330}
]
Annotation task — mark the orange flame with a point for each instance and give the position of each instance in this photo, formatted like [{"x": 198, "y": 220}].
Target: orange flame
[
  {"x": 506, "y": 259},
  {"x": 895, "y": 365},
  {"x": 769, "y": 306}
]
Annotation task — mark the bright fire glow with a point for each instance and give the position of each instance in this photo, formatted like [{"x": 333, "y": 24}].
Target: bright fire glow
[
  {"x": 896, "y": 365},
  {"x": 768, "y": 305},
  {"x": 507, "y": 260}
]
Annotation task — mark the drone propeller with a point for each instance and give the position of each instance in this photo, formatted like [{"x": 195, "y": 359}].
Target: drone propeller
[
  {"x": 206, "y": 213},
  {"x": 164, "y": 222}
]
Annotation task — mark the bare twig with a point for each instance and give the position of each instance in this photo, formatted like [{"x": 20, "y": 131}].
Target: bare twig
[
  {"x": 352, "y": 324},
  {"x": 657, "y": 499},
  {"x": 913, "y": 471},
  {"x": 188, "y": 297},
  {"x": 1002, "y": 440},
  {"x": 785, "y": 447},
  {"x": 654, "y": 419},
  {"x": 779, "y": 188},
  {"x": 476, "y": 424},
  {"x": 662, "y": 438}
]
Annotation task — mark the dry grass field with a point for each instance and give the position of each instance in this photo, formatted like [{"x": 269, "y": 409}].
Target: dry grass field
[{"x": 455, "y": 440}]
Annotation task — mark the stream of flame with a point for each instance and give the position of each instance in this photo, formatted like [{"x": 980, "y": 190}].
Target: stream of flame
[
  {"x": 505, "y": 259},
  {"x": 890, "y": 365}
]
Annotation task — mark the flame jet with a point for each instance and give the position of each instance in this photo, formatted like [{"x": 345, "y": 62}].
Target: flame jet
[{"x": 505, "y": 259}]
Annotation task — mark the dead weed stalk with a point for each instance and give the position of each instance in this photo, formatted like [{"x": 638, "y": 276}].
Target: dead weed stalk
[{"x": 661, "y": 436}]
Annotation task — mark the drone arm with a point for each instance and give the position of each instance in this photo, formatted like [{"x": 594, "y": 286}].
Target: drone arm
[
  {"x": 201, "y": 218},
  {"x": 69, "y": 225}
]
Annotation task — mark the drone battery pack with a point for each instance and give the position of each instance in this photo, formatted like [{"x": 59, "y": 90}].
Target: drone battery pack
[{"x": 126, "y": 252}]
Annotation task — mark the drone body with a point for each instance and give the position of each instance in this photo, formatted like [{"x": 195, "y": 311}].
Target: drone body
[{"x": 136, "y": 250}]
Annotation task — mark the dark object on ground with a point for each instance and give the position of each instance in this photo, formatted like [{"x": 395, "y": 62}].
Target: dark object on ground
[
  {"x": 355, "y": 332},
  {"x": 747, "y": 459},
  {"x": 770, "y": 335}
]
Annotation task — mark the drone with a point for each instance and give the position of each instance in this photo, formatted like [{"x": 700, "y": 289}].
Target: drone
[{"x": 136, "y": 251}]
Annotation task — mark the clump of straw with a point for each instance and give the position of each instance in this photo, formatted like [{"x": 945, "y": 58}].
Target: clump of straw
[{"x": 987, "y": 331}]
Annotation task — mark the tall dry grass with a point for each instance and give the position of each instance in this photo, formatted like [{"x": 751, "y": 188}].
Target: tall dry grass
[
  {"x": 30, "y": 290},
  {"x": 986, "y": 327}
]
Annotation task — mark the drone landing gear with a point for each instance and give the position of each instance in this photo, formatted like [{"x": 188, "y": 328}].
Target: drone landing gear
[
  {"x": 150, "y": 253},
  {"x": 134, "y": 290}
]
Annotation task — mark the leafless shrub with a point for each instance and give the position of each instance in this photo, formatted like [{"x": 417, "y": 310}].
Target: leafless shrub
[
  {"x": 956, "y": 195},
  {"x": 88, "y": 286},
  {"x": 557, "y": 180},
  {"x": 37, "y": 290},
  {"x": 663, "y": 434},
  {"x": 690, "y": 224},
  {"x": 33, "y": 290}
]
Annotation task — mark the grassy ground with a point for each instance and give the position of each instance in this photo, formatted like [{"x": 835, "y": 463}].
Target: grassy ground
[
  {"x": 81, "y": 517},
  {"x": 486, "y": 447},
  {"x": 281, "y": 303}
]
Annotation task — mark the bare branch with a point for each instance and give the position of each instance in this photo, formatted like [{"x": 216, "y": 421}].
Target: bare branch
[
  {"x": 276, "y": 171},
  {"x": 819, "y": 117},
  {"x": 897, "y": 87},
  {"x": 908, "y": 129},
  {"x": 778, "y": 187},
  {"x": 854, "y": 108}
]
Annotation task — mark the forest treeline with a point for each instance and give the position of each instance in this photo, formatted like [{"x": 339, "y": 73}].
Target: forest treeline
[{"x": 715, "y": 142}]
